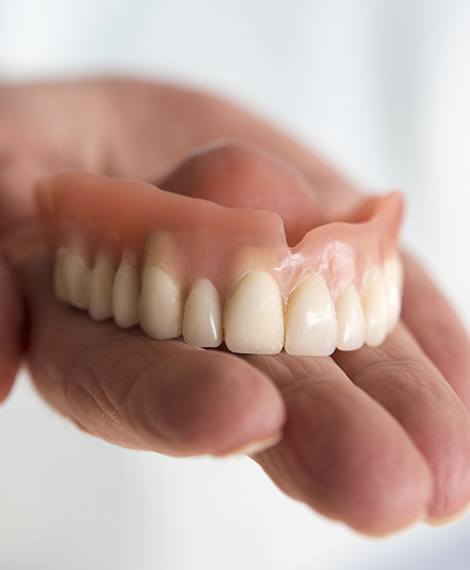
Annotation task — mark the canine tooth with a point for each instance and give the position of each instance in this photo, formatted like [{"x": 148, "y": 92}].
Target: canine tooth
[
  {"x": 350, "y": 317},
  {"x": 101, "y": 287},
  {"x": 160, "y": 305},
  {"x": 125, "y": 292},
  {"x": 253, "y": 317},
  {"x": 77, "y": 279},
  {"x": 60, "y": 286},
  {"x": 374, "y": 303},
  {"x": 393, "y": 275},
  {"x": 202, "y": 319},
  {"x": 311, "y": 327}
]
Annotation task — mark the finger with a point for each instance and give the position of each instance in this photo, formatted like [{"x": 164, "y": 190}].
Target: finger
[
  {"x": 17, "y": 172},
  {"x": 434, "y": 323},
  {"x": 11, "y": 320},
  {"x": 401, "y": 378},
  {"x": 160, "y": 395},
  {"x": 341, "y": 452}
]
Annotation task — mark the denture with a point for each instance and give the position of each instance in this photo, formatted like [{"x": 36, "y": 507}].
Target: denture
[{"x": 180, "y": 265}]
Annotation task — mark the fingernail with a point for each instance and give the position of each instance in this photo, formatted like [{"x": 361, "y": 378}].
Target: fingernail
[
  {"x": 449, "y": 519},
  {"x": 370, "y": 535},
  {"x": 253, "y": 447}
]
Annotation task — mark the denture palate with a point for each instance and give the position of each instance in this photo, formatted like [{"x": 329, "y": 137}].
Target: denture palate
[{"x": 185, "y": 266}]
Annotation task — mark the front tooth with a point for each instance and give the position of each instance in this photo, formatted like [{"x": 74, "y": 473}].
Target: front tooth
[
  {"x": 125, "y": 293},
  {"x": 77, "y": 279},
  {"x": 311, "y": 327},
  {"x": 254, "y": 315},
  {"x": 374, "y": 303},
  {"x": 60, "y": 285},
  {"x": 393, "y": 274},
  {"x": 202, "y": 320},
  {"x": 350, "y": 317},
  {"x": 160, "y": 304},
  {"x": 101, "y": 287}
]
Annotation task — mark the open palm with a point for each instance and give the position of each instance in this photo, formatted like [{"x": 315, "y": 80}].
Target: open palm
[{"x": 377, "y": 438}]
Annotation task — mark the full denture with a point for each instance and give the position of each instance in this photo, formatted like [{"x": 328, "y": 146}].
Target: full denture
[{"x": 181, "y": 265}]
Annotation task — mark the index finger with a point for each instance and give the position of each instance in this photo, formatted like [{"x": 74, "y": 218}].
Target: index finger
[{"x": 165, "y": 396}]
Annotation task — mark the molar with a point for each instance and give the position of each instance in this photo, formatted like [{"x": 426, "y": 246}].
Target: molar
[
  {"x": 125, "y": 293},
  {"x": 350, "y": 317},
  {"x": 101, "y": 287},
  {"x": 202, "y": 320},
  {"x": 253, "y": 317},
  {"x": 374, "y": 303},
  {"x": 311, "y": 327}
]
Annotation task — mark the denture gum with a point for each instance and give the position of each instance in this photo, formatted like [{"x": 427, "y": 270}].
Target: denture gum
[{"x": 184, "y": 265}]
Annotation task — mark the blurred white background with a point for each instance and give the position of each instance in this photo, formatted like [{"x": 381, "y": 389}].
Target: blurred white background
[{"x": 380, "y": 87}]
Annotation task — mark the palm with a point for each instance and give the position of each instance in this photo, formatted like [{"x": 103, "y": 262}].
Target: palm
[{"x": 376, "y": 438}]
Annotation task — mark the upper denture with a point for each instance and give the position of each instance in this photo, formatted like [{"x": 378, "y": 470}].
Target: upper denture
[
  {"x": 121, "y": 215},
  {"x": 160, "y": 245}
]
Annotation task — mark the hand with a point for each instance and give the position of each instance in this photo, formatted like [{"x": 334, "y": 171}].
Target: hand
[{"x": 376, "y": 438}]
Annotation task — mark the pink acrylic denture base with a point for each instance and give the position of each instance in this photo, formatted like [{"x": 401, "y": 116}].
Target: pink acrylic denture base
[{"x": 199, "y": 238}]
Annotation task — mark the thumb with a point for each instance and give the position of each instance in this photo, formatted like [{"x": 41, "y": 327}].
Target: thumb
[{"x": 18, "y": 172}]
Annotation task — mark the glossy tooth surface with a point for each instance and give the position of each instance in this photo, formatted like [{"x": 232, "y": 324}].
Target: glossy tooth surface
[
  {"x": 101, "y": 287},
  {"x": 350, "y": 317},
  {"x": 311, "y": 327},
  {"x": 77, "y": 279},
  {"x": 125, "y": 293},
  {"x": 393, "y": 275},
  {"x": 253, "y": 317},
  {"x": 374, "y": 303},
  {"x": 160, "y": 304},
  {"x": 202, "y": 319},
  {"x": 60, "y": 286}
]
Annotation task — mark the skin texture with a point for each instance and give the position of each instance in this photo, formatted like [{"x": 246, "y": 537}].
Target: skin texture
[{"x": 378, "y": 438}]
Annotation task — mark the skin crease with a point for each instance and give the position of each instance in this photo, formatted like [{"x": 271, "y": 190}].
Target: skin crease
[{"x": 377, "y": 438}]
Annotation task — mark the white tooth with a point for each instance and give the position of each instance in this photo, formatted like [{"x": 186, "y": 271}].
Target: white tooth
[
  {"x": 350, "y": 317},
  {"x": 101, "y": 287},
  {"x": 393, "y": 274},
  {"x": 254, "y": 315},
  {"x": 160, "y": 304},
  {"x": 60, "y": 286},
  {"x": 374, "y": 303},
  {"x": 77, "y": 279},
  {"x": 311, "y": 327},
  {"x": 202, "y": 320},
  {"x": 125, "y": 295}
]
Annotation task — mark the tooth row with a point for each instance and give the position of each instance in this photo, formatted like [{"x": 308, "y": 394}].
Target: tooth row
[{"x": 254, "y": 319}]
